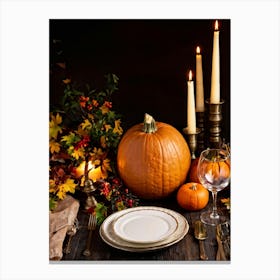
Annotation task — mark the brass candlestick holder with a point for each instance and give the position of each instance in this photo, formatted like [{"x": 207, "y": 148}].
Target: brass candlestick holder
[
  {"x": 215, "y": 120},
  {"x": 192, "y": 140},
  {"x": 88, "y": 189},
  {"x": 200, "y": 121}
]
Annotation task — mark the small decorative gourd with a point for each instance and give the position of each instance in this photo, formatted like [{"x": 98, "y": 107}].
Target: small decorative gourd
[
  {"x": 153, "y": 159},
  {"x": 192, "y": 196}
]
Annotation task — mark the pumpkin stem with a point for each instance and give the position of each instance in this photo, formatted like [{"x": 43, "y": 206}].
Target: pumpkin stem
[
  {"x": 193, "y": 187},
  {"x": 149, "y": 124}
]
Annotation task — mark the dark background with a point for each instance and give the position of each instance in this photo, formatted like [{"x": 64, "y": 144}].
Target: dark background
[{"x": 151, "y": 59}]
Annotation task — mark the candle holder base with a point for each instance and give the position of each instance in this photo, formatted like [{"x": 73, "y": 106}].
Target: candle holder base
[
  {"x": 192, "y": 140},
  {"x": 215, "y": 120},
  {"x": 88, "y": 189}
]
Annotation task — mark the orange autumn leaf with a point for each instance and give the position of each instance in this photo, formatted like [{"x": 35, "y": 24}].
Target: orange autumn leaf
[
  {"x": 54, "y": 147},
  {"x": 103, "y": 141},
  {"x": 66, "y": 81}
]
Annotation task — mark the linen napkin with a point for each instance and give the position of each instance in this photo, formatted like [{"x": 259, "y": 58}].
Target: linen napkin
[{"x": 60, "y": 221}]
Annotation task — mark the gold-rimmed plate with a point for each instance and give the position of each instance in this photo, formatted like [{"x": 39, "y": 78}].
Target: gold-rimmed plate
[
  {"x": 108, "y": 234},
  {"x": 145, "y": 225}
]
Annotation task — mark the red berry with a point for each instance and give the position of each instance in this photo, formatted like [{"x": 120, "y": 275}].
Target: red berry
[
  {"x": 116, "y": 181},
  {"x": 130, "y": 202}
]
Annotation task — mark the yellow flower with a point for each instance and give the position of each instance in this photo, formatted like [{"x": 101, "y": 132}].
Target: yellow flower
[
  {"x": 118, "y": 129},
  {"x": 104, "y": 109},
  {"x": 86, "y": 125},
  {"x": 107, "y": 127},
  {"x": 54, "y": 146}
]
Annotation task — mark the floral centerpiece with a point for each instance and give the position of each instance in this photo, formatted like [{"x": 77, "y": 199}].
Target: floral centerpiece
[{"x": 83, "y": 137}]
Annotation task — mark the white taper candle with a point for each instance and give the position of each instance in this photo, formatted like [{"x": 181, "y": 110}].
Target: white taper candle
[
  {"x": 199, "y": 82},
  {"x": 191, "y": 106},
  {"x": 215, "y": 78}
]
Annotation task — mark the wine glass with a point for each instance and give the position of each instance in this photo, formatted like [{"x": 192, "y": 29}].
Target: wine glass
[{"x": 213, "y": 171}]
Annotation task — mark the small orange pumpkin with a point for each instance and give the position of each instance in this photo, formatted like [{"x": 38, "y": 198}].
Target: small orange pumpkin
[
  {"x": 153, "y": 159},
  {"x": 192, "y": 196}
]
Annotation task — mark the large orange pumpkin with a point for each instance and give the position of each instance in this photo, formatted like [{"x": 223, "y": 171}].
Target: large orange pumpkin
[
  {"x": 192, "y": 196},
  {"x": 153, "y": 159}
]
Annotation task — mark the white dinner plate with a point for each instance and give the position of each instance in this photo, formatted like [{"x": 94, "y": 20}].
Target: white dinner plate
[
  {"x": 145, "y": 225},
  {"x": 108, "y": 234}
]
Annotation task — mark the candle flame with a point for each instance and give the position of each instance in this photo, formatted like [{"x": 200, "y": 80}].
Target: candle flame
[
  {"x": 198, "y": 50},
  {"x": 190, "y": 75},
  {"x": 90, "y": 165},
  {"x": 216, "y": 25}
]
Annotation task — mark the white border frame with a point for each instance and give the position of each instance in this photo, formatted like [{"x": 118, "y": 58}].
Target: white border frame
[{"x": 254, "y": 138}]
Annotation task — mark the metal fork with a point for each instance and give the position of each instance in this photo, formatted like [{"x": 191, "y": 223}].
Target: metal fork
[{"x": 92, "y": 221}]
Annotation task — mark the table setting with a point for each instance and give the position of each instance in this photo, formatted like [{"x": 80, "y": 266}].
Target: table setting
[
  {"x": 142, "y": 229},
  {"x": 110, "y": 243},
  {"x": 145, "y": 193}
]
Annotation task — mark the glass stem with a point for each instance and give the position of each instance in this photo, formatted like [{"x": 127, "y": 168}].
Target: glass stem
[{"x": 214, "y": 214}]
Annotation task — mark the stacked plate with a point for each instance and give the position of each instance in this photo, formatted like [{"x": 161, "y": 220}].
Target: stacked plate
[{"x": 143, "y": 228}]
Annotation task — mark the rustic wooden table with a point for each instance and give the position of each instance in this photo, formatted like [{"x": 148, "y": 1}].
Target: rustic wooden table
[{"x": 185, "y": 250}]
